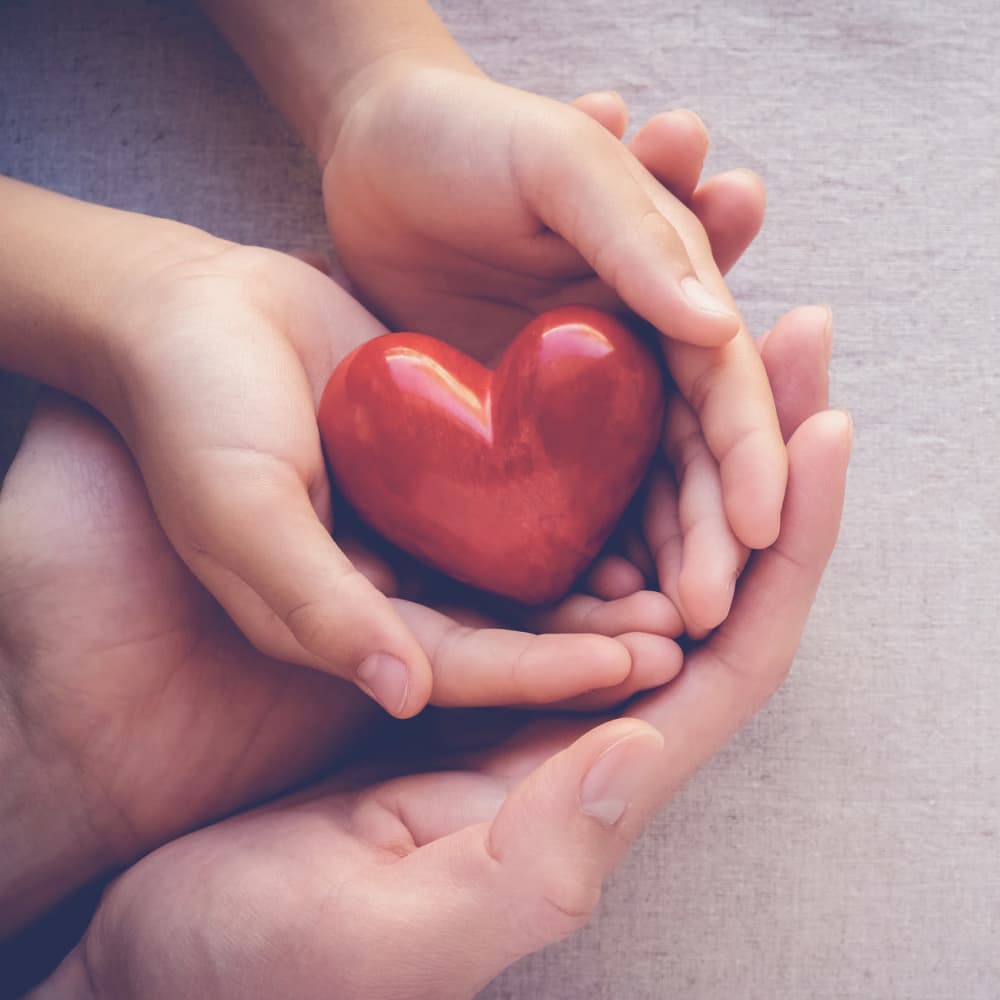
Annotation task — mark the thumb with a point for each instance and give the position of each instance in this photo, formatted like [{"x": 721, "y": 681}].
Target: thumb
[
  {"x": 588, "y": 187},
  {"x": 533, "y": 875},
  {"x": 273, "y": 566}
]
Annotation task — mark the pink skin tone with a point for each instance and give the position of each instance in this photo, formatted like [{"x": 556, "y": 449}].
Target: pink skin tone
[
  {"x": 610, "y": 647},
  {"x": 515, "y": 834}
]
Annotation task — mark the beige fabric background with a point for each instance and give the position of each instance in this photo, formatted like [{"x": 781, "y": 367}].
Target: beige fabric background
[{"x": 848, "y": 844}]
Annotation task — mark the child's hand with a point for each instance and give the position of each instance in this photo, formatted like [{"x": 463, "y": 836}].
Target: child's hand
[
  {"x": 145, "y": 713},
  {"x": 460, "y": 206},
  {"x": 425, "y": 873},
  {"x": 680, "y": 541},
  {"x": 210, "y": 358},
  {"x": 676, "y": 534}
]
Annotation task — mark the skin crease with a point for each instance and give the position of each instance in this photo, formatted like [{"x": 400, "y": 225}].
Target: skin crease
[
  {"x": 208, "y": 358},
  {"x": 135, "y": 764},
  {"x": 422, "y": 249},
  {"x": 571, "y": 216},
  {"x": 516, "y": 833},
  {"x": 173, "y": 344},
  {"x": 119, "y": 809},
  {"x": 130, "y": 763}
]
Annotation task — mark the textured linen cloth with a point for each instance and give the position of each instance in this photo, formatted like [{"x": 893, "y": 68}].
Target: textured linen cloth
[{"x": 847, "y": 844}]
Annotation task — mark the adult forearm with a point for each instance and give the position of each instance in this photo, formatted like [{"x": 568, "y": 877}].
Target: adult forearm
[
  {"x": 311, "y": 56},
  {"x": 63, "y": 266}
]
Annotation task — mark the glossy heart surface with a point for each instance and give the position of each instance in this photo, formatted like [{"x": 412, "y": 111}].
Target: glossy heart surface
[{"x": 509, "y": 480}]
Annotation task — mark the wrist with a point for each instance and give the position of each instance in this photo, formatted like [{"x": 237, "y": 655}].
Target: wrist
[
  {"x": 314, "y": 57},
  {"x": 384, "y": 76}
]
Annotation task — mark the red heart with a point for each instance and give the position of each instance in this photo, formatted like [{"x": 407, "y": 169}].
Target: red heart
[{"x": 510, "y": 480}]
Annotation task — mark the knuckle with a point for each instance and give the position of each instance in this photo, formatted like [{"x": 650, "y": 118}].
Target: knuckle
[
  {"x": 703, "y": 386},
  {"x": 317, "y": 622},
  {"x": 565, "y": 903}
]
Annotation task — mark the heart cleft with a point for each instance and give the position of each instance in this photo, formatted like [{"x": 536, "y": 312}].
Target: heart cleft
[{"x": 509, "y": 480}]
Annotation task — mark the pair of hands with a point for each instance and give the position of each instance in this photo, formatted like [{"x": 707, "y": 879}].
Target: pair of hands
[
  {"x": 228, "y": 450},
  {"x": 443, "y": 848},
  {"x": 229, "y": 349}
]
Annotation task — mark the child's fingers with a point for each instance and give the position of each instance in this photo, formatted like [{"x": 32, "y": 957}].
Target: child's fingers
[
  {"x": 672, "y": 146},
  {"x": 642, "y": 611},
  {"x": 607, "y": 108},
  {"x": 593, "y": 192},
  {"x": 725, "y": 384},
  {"x": 656, "y": 660},
  {"x": 257, "y": 544},
  {"x": 494, "y": 666},
  {"x": 728, "y": 389},
  {"x": 641, "y": 623},
  {"x": 645, "y": 623},
  {"x": 661, "y": 523},
  {"x": 731, "y": 207},
  {"x": 736, "y": 671},
  {"x": 697, "y": 556},
  {"x": 711, "y": 556},
  {"x": 587, "y": 187},
  {"x": 613, "y": 576}
]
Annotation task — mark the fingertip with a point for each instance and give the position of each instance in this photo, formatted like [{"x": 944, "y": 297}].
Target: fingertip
[
  {"x": 686, "y": 312},
  {"x": 562, "y": 668},
  {"x": 392, "y": 666},
  {"x": 706, "y": 595},
  {"x": 386, "y": 679},
  {"x": 400, "y": 681},
  {"x": 607, "y": 108},
  {"x": 755, "y": 524},
  {"x": 838, "y": 426},
  {"x": 656, "y": 659},
  {"x": 694, "y": 120},
  {"x": 753, "y": 489},
  {"x": 708, "y": 304},
  {"x": 731, "y": 207},
  {"x": 614, "y": 577},
  {"x": 672, "y": 146},
  {"x": 613, "y": 659}
]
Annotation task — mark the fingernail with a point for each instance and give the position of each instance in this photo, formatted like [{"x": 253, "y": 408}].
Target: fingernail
[
  {"x": 618, "y": 775},
  {"x": 386, "y": 679},
  {"x": 701, "y": 298}
]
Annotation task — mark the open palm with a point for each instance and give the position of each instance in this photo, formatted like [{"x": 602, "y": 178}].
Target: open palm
[
  {"x": 426, "y": 870},
  {"x": 131, "y": 678},
  {"x": 147, "y": 705}
]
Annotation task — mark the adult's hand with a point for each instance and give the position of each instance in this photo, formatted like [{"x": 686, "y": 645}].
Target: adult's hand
[
  {"x": 133, "y": 710},
  {"x": 209, "y": 358},
  {"x": 413, "y": 881}
]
